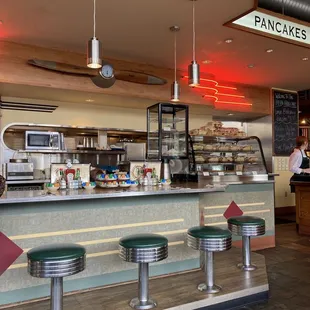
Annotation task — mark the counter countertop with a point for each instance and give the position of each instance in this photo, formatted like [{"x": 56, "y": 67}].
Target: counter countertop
[{"x": 12, "y": 197}]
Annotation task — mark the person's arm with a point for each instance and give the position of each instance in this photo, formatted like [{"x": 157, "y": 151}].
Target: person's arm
[{"x": 295, "y": 162}]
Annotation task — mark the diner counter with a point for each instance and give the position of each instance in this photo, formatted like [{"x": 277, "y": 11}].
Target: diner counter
[
  {"x": 97, "y": 219},
  {"x": 11, "y": 197}
]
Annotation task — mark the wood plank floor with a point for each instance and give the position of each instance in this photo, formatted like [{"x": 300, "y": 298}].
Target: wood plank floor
[{"x": 178, "y": 292}]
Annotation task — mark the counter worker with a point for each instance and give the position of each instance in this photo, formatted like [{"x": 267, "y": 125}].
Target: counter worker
[{"x": 299, "y": 162}]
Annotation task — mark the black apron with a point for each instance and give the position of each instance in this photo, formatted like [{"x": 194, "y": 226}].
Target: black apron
[{"x": 305, "y": 164}]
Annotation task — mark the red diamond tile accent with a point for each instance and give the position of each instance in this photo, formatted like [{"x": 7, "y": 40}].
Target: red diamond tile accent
[
  {"x": 232, "y": 210},
  {"x": 9, "y": 252}
]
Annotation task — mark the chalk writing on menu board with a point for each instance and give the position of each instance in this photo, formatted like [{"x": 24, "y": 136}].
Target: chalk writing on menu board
[{"x": 285, "y": 119}]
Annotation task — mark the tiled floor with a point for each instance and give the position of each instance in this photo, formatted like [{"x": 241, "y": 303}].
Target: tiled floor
[{"x": 288, "y": 268}]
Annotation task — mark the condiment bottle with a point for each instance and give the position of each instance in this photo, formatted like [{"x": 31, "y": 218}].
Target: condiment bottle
[
  {"x": 78, "y": 177},
  {"x": 63, "y": 184}
]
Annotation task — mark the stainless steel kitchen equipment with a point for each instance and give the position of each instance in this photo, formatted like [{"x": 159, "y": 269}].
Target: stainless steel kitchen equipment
[
  {"x": 134, "y": 151},
  {"x": 19, "y": 169},
  {"x": 42, "y": 140},
  {"x": 166, "y": 173}
]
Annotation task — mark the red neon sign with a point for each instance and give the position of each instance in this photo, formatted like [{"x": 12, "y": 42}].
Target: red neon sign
[{"x": 220, "y": 96}]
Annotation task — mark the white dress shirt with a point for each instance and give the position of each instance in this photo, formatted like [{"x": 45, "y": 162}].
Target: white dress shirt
[{"x": 295, "y": 161}]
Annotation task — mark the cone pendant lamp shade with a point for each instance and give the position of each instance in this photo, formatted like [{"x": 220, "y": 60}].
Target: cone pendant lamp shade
[{"x": 94, "y": 50}]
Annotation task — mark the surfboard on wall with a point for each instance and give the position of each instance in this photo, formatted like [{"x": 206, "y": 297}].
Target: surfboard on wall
[{"x": 123, "y": 75}]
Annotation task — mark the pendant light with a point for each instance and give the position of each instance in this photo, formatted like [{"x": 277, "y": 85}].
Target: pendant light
[
  {"x": 94, "y": 57},
  {"x": 175, "y": 87},
  {"x": 193, "y": 68}
]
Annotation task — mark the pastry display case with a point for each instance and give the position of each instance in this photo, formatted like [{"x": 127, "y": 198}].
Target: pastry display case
[
  {"x": 167, "y": 131},
  {"x": 228, "y": 158}
]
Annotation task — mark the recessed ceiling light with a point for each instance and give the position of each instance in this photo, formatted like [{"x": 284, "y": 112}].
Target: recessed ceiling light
[
  {"x": 230, "y": 114},
  {"x": 251, "y": 66},
  {"x": 305, "y": 58},
  {"x": 269, "y": 50},
  {"x": 89, "y": 100},
  {"x": 207, "y": 62},
  {"x": 228, "y": 41}
]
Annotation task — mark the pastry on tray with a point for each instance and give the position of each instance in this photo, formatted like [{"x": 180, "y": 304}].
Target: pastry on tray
[
  {"x": 198, "y": 147},
  {"x": 199, "y": 159},
  {"x": 239, "y": 159},
  {"x": 224, "y": 148},
  {"x": 194, "y": 132},
  {"x": 252, "y": 159},
  {"x": 226, "y": 159},
  {"x": 247, "y": 148},
  {"x": 213, "y": 159},
  {"x": 209, "y": 147},
  {"x": 235, "y": 147}
]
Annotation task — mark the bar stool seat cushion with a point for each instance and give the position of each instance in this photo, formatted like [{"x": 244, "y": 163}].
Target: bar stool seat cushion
[
  {"x": 51, "y": 252},
  {"x": 143, "y": 241},
  {"x": 209, "y": 232},
  {"x": 246, "y": 221}
]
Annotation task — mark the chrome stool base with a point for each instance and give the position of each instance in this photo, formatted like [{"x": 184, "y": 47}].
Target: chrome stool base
[
  {"x": 136, "y": 303},
  {"x": 130, "y": 251},
  {"x": 56, "y": 302},
  {"x": 247, "y": 267},
  {"x": 209, "y": 289}
]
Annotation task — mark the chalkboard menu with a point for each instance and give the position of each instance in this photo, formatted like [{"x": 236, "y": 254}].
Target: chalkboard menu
[{"x": 285, "y": 122}]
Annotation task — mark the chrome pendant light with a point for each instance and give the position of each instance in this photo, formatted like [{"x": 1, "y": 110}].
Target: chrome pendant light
[
  {"x": 175, "y": 87},
  {"x": 193, "y": 68},
  {"x": 94, "y": 57}
]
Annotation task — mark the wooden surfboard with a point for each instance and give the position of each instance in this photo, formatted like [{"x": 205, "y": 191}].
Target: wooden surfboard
[{"x": 123, "y": 75}]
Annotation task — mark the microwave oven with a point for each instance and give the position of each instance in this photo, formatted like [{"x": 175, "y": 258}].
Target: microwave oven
[{"x": 42, "y": 140}]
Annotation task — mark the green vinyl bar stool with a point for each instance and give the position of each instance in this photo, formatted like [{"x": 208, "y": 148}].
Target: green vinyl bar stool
[
  {"x": 247, "y": 227},
  {"x": 143, "y": 249},
  {"x": 209, "y": 239},
  {"x": 56, "y": 261}
]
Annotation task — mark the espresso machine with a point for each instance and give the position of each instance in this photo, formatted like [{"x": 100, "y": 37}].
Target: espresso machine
[{"x": 168, "y": 141}]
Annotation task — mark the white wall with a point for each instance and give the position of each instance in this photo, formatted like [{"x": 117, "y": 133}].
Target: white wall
[
  {"x": 283, "y": 195},
  {"x": 87, "y": 114}
]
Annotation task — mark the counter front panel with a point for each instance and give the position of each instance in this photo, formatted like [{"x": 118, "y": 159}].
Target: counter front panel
[
  {"x": 98, "y": 225},
  {"x": 252, "y": 199}
]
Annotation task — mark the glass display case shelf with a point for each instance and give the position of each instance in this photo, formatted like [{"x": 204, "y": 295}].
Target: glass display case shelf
[
  {"x": 227, "y": 155},
  {"x": 225, "y": 152},
  {"x": 227, "y": 164},
  {"x": 214, "y": 138},
  {"x": 169, "y": 121}
]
